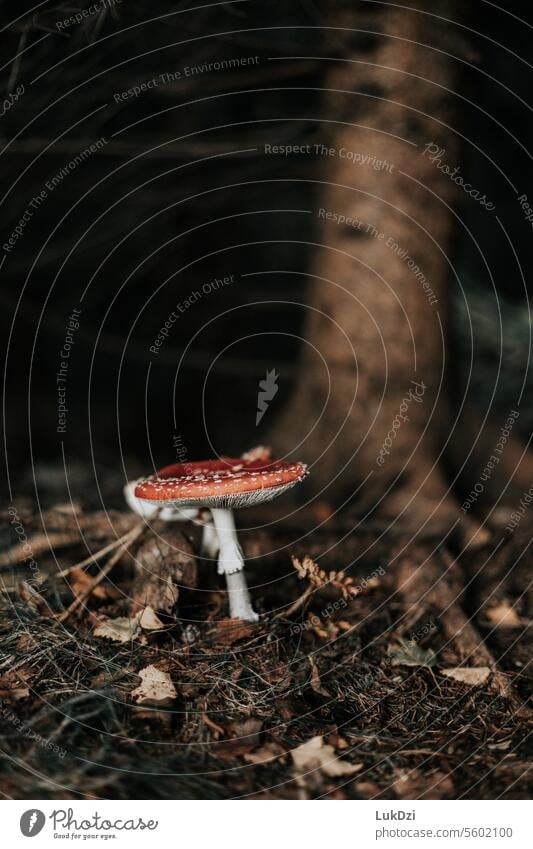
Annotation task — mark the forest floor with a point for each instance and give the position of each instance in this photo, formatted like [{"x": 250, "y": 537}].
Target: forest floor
[{"x": 359, "y": 681}]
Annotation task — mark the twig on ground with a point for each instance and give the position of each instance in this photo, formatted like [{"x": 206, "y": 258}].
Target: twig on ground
[
  {"x": 128, "y": 538},
  {"x": 93, "y": 557},
  {"x": 37, "y": 544},
  {"x": 283, "y": 614}
]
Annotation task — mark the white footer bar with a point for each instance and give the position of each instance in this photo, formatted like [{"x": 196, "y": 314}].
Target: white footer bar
[{"x": 244, "y": 824}]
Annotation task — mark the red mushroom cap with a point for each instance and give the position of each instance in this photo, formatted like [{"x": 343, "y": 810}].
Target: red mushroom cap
[{"x": 220, "y": 483}]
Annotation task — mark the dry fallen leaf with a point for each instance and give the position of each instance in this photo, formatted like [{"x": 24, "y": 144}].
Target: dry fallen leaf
[
  {"x": 14, "y": 695},
  {"x": 27, "y": 642},
  {"x": 408, "y": 653},
  {"x": 156, "y": 688},
  {"x": 244, "y": 736},
  {"x": 228, "y": 631},
  {"x": 316, "y": 684},
  {"x": 368, "y": 789},
  {"x": 14, "y": 686},
  {"x": 503, "y": 616},
  {"x": 120, "y": 630},
  {"x": 31, "y": 596},
  {"x": 317, "y": 755},
  {"x": 124, "y": 628},
  {"x": 474, "y": 676},
  {"x": 79, "y": 580},
  {"x": 249, "y": 728},
  {"x": 266, "y": 754},
  {"x": 502, "y": 746},
  {"x": 149, "y": 620},
  {"x": 415, "y": 784}
]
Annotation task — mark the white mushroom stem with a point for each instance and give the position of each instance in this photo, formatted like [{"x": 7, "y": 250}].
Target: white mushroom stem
[
  {"x": 209, "y": 546},
  {"x": 230, "y": 559},
  {"x": 231, "y": 564}
]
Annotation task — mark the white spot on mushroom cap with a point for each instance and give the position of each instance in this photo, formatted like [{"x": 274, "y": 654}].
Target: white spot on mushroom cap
[{"x": 235, "y": 485}]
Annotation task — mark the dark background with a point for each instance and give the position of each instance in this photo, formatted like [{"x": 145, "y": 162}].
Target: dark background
[{"x": 182, "y": 193}]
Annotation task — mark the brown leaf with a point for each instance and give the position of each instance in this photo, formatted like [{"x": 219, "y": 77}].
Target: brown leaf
[
  {"x": 280, "y": 674},
  {"x": 245, "y": 736},
  {"x": 288, "y": 708},
  {"x": 249, "y": 727},
  {"x": 368, "y": 789},
  {"x": 149, "y": 621},
  {"x": 271, "y": 751},
  {"x": 14, "y": 695},
  {"x": 334, "y": 739},
  {"x": 156, "y": 688},
  {"x": 229, "y": 631},
  {"x": 27, "y": 642},
  {"x": 317, "y": 755},
  {"x": 473, "y": 676},
  {"x": 414, "y": 784},
  {"x": 502, "y": 746},
  {"x": 13, "y": 685},
  {"x": 125, "y": 628},
  {"x": 31, "y": 596},
  {"x": 503, "y": 616},
  {"x": 79, "y": 580},
  {"x": 120, "y": 630},
  {"x": 316, "y": 686}
]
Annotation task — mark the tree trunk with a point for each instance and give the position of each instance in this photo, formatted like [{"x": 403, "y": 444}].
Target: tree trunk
[{"x": 372, "y": 368}]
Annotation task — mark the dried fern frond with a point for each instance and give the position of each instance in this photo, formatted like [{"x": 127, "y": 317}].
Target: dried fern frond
[{"x": 307, "y": 569}]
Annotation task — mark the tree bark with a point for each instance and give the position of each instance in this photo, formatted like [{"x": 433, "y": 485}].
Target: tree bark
[{"x": 374, "y": 325}]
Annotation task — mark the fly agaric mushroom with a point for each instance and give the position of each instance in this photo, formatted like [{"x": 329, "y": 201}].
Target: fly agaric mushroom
[{"x": 222, "y": 485}]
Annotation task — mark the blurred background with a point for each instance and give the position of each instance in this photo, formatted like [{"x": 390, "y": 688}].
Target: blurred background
[{"x": 136, "y": 186}]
